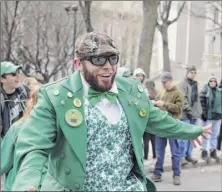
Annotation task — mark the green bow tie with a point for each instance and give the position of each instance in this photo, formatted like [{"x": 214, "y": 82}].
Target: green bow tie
[{"x": 95, "y": 96}]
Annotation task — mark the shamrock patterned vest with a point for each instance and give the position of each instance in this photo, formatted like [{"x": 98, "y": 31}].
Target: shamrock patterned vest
[{"x": 109, "y": 159}]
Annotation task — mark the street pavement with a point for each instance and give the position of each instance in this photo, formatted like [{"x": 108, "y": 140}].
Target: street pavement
[
  {"x": 190, "y": 169},
  {"x": 150, "y": 163},
  {"x": 208, "y": 178}
]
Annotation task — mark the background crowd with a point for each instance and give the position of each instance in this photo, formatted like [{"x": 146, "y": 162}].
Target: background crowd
[{"x": 184, "y": 102}]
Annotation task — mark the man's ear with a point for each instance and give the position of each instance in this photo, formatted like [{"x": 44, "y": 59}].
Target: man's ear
[
  {"x": 2, "y": 80},
  {"x": 77, "y": 64}
]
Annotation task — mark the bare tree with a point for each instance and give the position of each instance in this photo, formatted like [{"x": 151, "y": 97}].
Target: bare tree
[
  {"x": 12, "y": 14},
  {"x": 39, "y": 38},
  {"x": 163, "y": 23},
  {"x": 86, "y": 12},
  {"x": 211, "y": 13},
  {"x": 147, "y": 35},
  {"x": 45, "y": 49}
]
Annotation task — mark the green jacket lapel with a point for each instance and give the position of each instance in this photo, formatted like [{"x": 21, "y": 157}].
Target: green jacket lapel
[
  {"x": 125, "y": 95},
  {"x": 76, "y": 135}
]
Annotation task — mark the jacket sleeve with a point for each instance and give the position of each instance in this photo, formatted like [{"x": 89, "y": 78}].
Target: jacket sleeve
[
  {"x": 186, "y": 107},
  {"x": 7, "y": 151},
  {"x": 203, "y": 99},
  {"x": 162, "y": 125},
  {"x": 176, "y": 107},
  {"x": 35, "y": 141}
]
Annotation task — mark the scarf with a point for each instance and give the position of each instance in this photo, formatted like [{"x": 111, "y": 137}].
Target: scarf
[
  {"x": 215, "y": 105},
  {"x": 194, "y": 92}
]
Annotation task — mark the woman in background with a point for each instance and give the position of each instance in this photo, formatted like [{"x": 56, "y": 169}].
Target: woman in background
[
  {"x": 31, "y": 82},
  {"x": 8, "y": 144},
  {"x": 152, "y": 93}
]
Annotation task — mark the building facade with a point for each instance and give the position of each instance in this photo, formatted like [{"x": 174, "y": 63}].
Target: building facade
[{"x": 212, "y": 56}]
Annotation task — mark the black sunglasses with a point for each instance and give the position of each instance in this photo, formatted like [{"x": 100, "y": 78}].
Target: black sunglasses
[
  {"x": 213, "y": 81},
  {"x": 101, "y": 60}
]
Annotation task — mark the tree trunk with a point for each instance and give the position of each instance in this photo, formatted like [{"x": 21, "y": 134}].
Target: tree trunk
[
  {"x": 147, "y": 35},
  {"x": 88, "y": 24},
  {"x": 166, "y": 57},
  {"x": 221, "y": 50},
  {"x": 11, "y": 30}
]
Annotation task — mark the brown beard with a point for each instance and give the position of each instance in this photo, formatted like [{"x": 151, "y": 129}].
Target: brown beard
[{"x": 92, "y": 80}]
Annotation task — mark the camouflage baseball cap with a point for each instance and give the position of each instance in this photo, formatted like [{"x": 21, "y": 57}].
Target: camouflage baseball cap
[
  {"x": 8, "y": 67},
  {"x": 94, "y": 44}
]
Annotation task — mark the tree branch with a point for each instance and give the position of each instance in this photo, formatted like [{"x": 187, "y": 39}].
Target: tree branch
[
  {"x": 168, "y": 9},
  {"x": 207, "y": 17},
  {"x": 178, "y": 14},
  {"x": 83, "y": 9}
]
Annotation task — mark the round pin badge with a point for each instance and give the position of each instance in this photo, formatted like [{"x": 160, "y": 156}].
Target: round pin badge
[
  {"x": 73, "y": 117},
  {"x": 140, "y": 88},
  {"x": 69, "y": 94},
  {"x": 142, "y": 112},
  {"x": 56, "y": 92},
  {"x": 77, "y": 103}
]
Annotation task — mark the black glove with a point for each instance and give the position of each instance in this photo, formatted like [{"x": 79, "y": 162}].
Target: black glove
[{"x": 204, "y": 117}]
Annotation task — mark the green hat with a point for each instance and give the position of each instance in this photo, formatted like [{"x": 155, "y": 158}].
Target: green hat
[
  {"x": 8, "y": 67},
  {"x": 94, "y": 44}
]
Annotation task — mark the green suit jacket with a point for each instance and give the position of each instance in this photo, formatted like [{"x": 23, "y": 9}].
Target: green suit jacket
[
  {"x": 47, "y": 135},
  {"x": 8, "y": 159}
]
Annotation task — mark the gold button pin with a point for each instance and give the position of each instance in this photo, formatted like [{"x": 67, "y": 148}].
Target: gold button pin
[
  {"x": 143, "y": 112},
  {"x": 69, "y": 94},
  {"x": 73, "y": 117},
  {"x": 77, "y": 103}
]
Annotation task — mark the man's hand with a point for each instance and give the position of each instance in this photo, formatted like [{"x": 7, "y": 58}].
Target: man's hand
[
  {"x": 159, "y": 103},
  {"x": 206, "y": 132},
  {"x": 31, "y": 189}
]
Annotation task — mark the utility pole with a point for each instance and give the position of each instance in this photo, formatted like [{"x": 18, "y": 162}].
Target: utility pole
[{"x": 74, "y": 9}]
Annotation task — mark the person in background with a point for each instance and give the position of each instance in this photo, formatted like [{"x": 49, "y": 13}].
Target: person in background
[
  {"x": 219, "y": 140},
  {"x": 192, "y": 111},
  {"x": 9, "y": 142},
  {"x": 211, "y": 101},
  {"x": 150, "y": 85},
  {"x": 13, "y": 95},
  {"x": 140, "y": 75},
  {"x": 171, "y": 100},
  {"x": 31, "y": 82}
]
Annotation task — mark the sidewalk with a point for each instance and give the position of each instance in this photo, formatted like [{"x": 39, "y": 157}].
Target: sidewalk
[{"x": 150, "y": 163}]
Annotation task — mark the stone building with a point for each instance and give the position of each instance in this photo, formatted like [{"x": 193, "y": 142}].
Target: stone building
[{"x": 212, "y": 57}]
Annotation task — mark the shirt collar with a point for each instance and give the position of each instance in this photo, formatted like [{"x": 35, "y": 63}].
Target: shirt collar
[{"x": 86, "y": 86}]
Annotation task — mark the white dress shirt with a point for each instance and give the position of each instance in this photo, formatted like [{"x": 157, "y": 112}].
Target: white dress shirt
[{"x": 112, "y": 111}]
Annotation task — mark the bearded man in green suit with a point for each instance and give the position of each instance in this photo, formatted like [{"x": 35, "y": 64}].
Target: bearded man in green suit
[{"x": 89, "y": 126}]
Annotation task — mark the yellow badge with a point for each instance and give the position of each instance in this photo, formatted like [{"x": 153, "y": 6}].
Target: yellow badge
[
  {"x": 140, "y": 88},
  {"x": 69, "y": 94},
  {"x": 73, "y": 117},
  {"x": 142, "y": 112},
  {"x": 56, "y": 92},
  {"x": 77, "y": 103}
]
